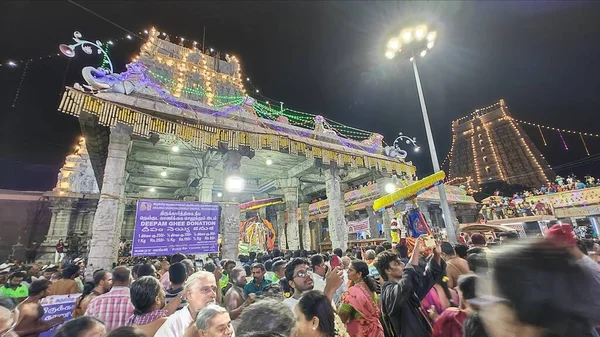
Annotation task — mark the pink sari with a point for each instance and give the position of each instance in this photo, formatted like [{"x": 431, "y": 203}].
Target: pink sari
[{"x": 368, "y": 324}]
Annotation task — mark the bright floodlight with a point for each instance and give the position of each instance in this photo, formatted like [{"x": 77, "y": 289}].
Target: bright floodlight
[
  {"x": 175, "y": 148},
  {"x": 129, "y": 37},
  {"x": 110, "y": 42},
  {"x": 219, "y": 194},
  {"x": 390, "y": 54},
  {"x": 393, "y": 44},
  {"x": 152, "y": 189},
  {"x": 406, "y": 35},
  {"x": 163, "y": 173},
  {"x": 269, "y": 161},
  {"x": 420, "y": 32},
  {"x": 145, "y": 31},
  {"x": 390, "y": 188},
  {"x": 12, "y": 64},
  {"x": 429, "y": 44},
  {"x": 431, "y": 36},
  {"x": 423, "y": 53},
  {"x": 257, "y": 91},
  {"x": 417, "y": 149},
  {"x": 234, "y": 184}
]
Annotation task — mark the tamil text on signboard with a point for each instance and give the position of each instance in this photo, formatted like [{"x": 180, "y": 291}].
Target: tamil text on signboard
[
  {"x": 358, "y": 226},
  {"x": 164, "y": 227},
  {"x": 57, "y": 306}
]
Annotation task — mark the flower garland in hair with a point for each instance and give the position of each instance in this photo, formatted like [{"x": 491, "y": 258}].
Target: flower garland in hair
[{"x": 340, "y": 328}]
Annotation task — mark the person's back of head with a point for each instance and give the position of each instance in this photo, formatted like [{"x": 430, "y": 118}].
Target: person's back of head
[
  {"x": 387, "y": 245},
  {"x": 143, "y": 294},
  {"x": 126, "y": 331},
  {"x": 379, "y": 249},
  {"x": 315, "y": 304},
  {"x": 70, "y": 271},
  {"x": 338, "y": 252},
  {"x": 266, "y": 315},
  {"x": 38, "y": 287},
  {"x": 269, "y": 265},
  {"x": 177, "y": 273},
  {"x": 121, "y": 276},
  {"x": 370, "y": 254},
  {"x": 99, "y": 276},
  {"x": 461, "y": 250},
  {"x": 146, "y": 269},
  {"x": 177, "y": 258},
  {"x": 478, "y": 240},
  {"x": 79, "y": 326},
  {"x": 473, "y": 326},
  {"x": 210, "y": 267},
  {"x": 447, "y": 248}
]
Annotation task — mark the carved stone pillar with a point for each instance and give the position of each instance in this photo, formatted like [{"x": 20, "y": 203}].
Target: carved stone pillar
[
  {"x": 387, "y": 214},
  {"x": 305, "y": 236},
  {"x": 205, "y": 188},
  {"x": 373, "y": 228},
  {"x": 289, "y": 187},
  {"x": 336, "y": 216},
  {"x": 230, "y": 212},
  {"x": 106, "y": 227},
  {"x": 281, "y": 238}
]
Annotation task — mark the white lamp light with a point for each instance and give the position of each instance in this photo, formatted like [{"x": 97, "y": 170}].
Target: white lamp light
[
  {"x": 163, "y": 173},
  {"x": 269, "y": 161},
  {"x": 234, "y": 184},
  {"x": 175, "y": 148},
  {"x": 390, "y": 188}
]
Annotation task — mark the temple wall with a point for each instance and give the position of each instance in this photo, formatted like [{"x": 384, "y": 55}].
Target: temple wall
[{"x": 25, "y": 216}]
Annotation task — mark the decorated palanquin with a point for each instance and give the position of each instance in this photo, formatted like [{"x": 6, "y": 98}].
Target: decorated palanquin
[
  {"x": 411, "y": 224},
  {"x": 258, "y": 234}
]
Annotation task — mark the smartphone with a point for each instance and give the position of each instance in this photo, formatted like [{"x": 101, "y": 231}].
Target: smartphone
[{"x": 428, "y": 241}]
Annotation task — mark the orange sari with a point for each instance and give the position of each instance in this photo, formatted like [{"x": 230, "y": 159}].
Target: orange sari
[{"x": 365, "y": 312}]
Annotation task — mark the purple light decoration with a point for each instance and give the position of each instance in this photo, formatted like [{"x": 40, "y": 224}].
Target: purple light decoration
[{"x": 563, "y": 140}]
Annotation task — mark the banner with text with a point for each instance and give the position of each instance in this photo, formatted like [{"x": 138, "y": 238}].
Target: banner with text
[
  {"x": 358, "y": 226},
  {"x": 166, "y": 227},
  {"x": 55, "y": 306}
]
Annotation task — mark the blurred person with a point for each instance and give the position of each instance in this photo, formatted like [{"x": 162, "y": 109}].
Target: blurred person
[
  {"x": 146, "y": 269},
  {"x": 31, "y": 311},
  {"x": 224, "y": 284},
  {"x": 67, "y": 284},
  {"x": 549, "y": 292},
  {"x": 126, "y": 331},
  {"x": 259, "y": 282},
  {"x": 164, "y": 279},
  {"x": 190, "y": 266},
  {"x": 359, "y": 308},
  {"x": 440, "y": 297},
  {"x": 177, "y": 277},
  {"x": 315, "y": 316},
  {"x": 473, "y": 326},
  {"x": 269, "y": 275},
  {"x": 200, "y": 290},
  {"x": 267, "y": 315},
  {"x": 134, "y": 271},
  {"x": 114, "y": 307},
  {"x": 164, "y": 268},
  {"x": 101, "y": 285},
  {"x": 455, "y": 266},
  {"x": 450, "y": 322},
  {"x": 213, "y": 321},
  {"x": 235, "y": 299},
  {"x": 82, "y": 327},
  {"x": 461, "y": 251},
  {"x": 479, "y": 255},
  {"x": 404, "y": 288},
  {"x": 9, "y": 316},
  {"x": 148, "y": 299},
  {"x": 31, "y": 252},
  {"x": 370, "y": 259},
  {"x": 319, "y": 271},
  {"x": 59, "y": 252},
  {"x": 13, "y": 288},
  {"x": 278, "y": 270}
]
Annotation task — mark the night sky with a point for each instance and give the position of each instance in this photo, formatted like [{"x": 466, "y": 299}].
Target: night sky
[{"x": 324, "y": 58}]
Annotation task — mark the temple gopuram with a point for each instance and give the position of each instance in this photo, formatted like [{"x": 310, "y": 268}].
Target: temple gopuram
[{"x": 178, "y": 125}]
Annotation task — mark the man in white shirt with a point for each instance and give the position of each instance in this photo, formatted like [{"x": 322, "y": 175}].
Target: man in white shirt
[{"x": 200, "y": 290}]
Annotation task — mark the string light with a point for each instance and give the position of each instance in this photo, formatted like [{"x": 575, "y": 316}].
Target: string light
[
  {"x": 589, "y": 134},
  {"x": 584, "y": 144},
  {"x": 542, "y": 134},
  {"x": 20, "y": 85},
  {"x": 494, "y": 152}
]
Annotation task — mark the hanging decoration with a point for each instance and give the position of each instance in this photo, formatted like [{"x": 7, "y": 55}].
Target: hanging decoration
[
  {"x": 584, "y": 144},
  {"x": 542, "y": 134},
  {"x": 395, "y": 151},
  {"x": 86, "y": 46},
  {"x": 589, "y": 134},
  {"x": 20, "y": 85},
  {"x": 563, "y": 140}
]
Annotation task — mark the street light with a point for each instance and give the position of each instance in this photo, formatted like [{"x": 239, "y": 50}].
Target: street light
[{"x": 415, "y": 43}]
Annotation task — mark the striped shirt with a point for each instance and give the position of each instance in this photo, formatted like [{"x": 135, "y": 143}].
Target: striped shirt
[
  {"x": 112, "y": 308},
  {"x": 172, "y": 294}
]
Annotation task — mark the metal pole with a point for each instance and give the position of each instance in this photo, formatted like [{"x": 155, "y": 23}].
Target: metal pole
[{"x": 448, "y": 219}]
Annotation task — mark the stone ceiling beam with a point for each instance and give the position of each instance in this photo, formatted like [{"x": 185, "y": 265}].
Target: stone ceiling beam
[
  {"x": 157, "y": 182},
  {"x": 302, "y": 168}
]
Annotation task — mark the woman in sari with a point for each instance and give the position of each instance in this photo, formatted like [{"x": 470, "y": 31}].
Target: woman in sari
[{"x": 359, "y": 308}]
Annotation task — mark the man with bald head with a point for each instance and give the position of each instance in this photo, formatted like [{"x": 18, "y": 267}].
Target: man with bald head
[{"x": 200, "y": 290}]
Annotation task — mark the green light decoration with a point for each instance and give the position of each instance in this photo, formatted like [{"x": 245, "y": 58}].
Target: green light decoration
[
  {"x": 264, "y": 110},
  {"x": 105, "y": 58}
]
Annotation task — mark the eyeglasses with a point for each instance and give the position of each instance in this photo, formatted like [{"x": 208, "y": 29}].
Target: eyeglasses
[{"x": 302, "y": 274}]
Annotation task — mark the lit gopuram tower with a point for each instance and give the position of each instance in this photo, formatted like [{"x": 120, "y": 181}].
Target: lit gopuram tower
[{"x": 488, "y": 145}]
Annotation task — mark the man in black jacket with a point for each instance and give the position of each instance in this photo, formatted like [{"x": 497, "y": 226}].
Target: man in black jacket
[{"x": 403, "y": 289}]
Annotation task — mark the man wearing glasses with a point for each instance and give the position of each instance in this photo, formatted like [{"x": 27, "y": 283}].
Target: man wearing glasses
[{"x": 300, "y": 279}]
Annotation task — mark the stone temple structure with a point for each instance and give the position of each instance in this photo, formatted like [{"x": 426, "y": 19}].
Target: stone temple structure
[
  {"x": 488, "y": 145},
  {"x": 178, "y": 125}
]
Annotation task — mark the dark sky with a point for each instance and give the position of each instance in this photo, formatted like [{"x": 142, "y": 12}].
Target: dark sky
[{"x": 324, "y": 58}]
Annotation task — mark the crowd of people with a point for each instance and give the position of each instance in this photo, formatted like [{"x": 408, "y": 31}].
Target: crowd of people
[
  {"x": 517, "y": 205},
  {"x": 548, "y": 287}
]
